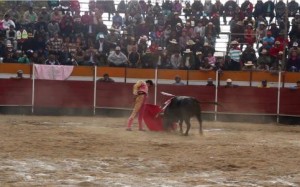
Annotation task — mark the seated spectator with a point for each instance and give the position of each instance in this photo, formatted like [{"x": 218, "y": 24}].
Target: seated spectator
[
  {"x": 23, "y": 59},
  {"x": 51, "y": 60},
  {"x": 176, "y": 60},
  {"x": 234, "y": 54},
  {"x": 294, "y": 48},
  {"x": 148, "y": 59},
  {"x": 198, "y": 60},
  {"x": 134, "y": 58},
  {"x": 278, "y": 62},
  {"x": 249, "y": 54},
  {"x": 105, "y": 78},
  {"x": 178, "y": 81},
  {"x": 211, "y": 59},
  {"x": 9, "y": 55},
  {"x": 249, "y": 66},
  {"x": 264, "y": 61},
  {"x": 30, "y": 17},
  {"x": 11, "y": 35},
  {"x": 210, "y": 82},
  {"x": 269, "y": 39},
  {"x": 206, "y": 66},
  {"x": 7, "y": 22},
  {"x": 293, "y": 62},
  {"x": 117, "y": 58},
  {"x": 274, "y": 50}
]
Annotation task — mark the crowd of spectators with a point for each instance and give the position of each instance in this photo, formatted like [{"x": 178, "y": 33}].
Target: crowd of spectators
[{"x": 171, "y": 35}]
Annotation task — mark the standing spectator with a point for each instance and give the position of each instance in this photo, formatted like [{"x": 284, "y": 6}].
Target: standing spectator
[
  {"x": 53, "y": 28},
  {"x": 280, "y": 10},
  {"x": 43, "y": 18},
  {"x": 187, "y": 10},
  {"x": 274, "y": 30},
  {"x": 250, "y": 37},
  {"x": 218, "y": 8},
  {"x": 247, "y": 8},
  {"x": 117, "y": 58},
  {"x": 177, "y": 7},
  {"x": 197, "y": 9},
  {"x": 178, "y": 81},
  {"x": 167, "y": 7},
  {"x": 30, "y": 17},
  {"x": 54, "y": 45},
  {"x": 292, "y": 8},
  {"x": 269, "y": 7},
  {"x": 122, "y": 7},
  {"x": 66, "y": 24},
  {"x": 15, "y": 16},
  {"x": 258, "y": 9},
  {"x": 56, "y": 15},
  {"x": 207, "y": 8},
  {"x": 74, "y": 6},
  {"x": 229, "y": 9},
  {"x": 106, "y": 78}
]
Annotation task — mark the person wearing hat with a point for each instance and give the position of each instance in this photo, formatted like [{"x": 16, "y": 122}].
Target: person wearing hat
[
  {"x": 188, "y": 59},
  {"x": 235, "y": 55},
  {"x": 275, "y": 49},
  {"x": 249, "y": 36},
  {"x": 261, "y": 31},
  {"x": 117, "y": 58},
  {"x": 293, "y": 62},
  {"x": 210, "y": 82},
  {"x": 294, "y": 48},
  {"x": 229, "y": 84},
  {"x": 19, "y": 75},
  {"x": 264, "y": 61},
  {"x": 249, "y": 66},
  {"x": 173, "y": 47},
  {"x": 105, "y": 78},
  {"x": 176, "y": 60},
  {"x": 140, "y": 92}
]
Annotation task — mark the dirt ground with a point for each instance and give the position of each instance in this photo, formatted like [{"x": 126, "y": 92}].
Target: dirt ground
[{"x": 97, "y": 151}]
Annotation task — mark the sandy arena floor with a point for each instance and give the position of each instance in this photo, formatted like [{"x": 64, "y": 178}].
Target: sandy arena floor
[{"x": 97, "y": 151}]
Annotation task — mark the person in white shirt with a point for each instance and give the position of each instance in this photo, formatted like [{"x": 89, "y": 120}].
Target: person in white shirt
[
  {"x": 7, "y": 22},
  {"x": 117, "y": 58}
]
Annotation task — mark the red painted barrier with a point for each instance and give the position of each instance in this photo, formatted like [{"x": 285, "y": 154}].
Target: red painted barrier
[{"x": 80, "y": 94}]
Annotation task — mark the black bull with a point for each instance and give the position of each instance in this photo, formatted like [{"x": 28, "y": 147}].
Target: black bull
[{"x": 182, "y": 108}]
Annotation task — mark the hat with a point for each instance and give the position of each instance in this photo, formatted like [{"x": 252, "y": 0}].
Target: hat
[
  {"x": 19, "y": 71},
  {"x": 249, "y": 24},
  {"x": 8, "y": 45},
  {"x": 190, "y": 42},
  {"x": 101, "y": 36},
  {"x": 187, "y": 51},
  {"x": 173, "y": 41},
  {"x": 178, "y": 24},
  {"x": 206, "y": 44},
  {"x": 159, "y": 48},
  {"x": 118, "y": 48},
  {"x": 262, "y": 23},
  {"x": 210, "y": 23},
  {"x": 43, "y": 7},
  {"x": 295, "y": 44},
  {"x": 209, "y": 80},
  {"x": 234, "y": 42},
  {"x": 277, "y": 42},
  {"x": 198, "y": 53},
  {"x": 228, "y": 80},
  {"x": 249, "y": 63},
  {"x": 264, "y": 51}
]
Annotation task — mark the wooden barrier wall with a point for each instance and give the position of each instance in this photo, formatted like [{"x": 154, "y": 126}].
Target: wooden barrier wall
[
  {"x": 80, "y": 94},
  {"x": 88, "y": 71}
]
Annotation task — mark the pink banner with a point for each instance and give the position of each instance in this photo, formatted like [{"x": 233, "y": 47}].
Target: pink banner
[{"x": 52, "y": 72}]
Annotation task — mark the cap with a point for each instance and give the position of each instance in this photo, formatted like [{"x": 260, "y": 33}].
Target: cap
[
  {"x": 228, "y": 80},
  {"x": 295, "y": 44}
]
